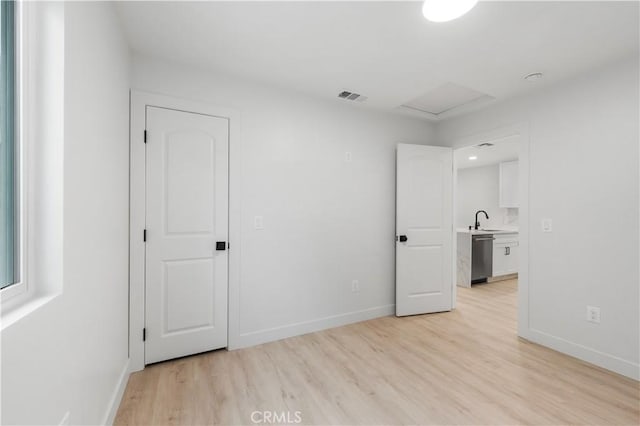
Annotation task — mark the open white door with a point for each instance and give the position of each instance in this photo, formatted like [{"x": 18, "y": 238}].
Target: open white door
[
  {"x": 186, "y": 233},
  {"x": 424, "y": 231}
]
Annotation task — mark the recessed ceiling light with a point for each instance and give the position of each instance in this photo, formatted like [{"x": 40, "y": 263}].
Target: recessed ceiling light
[
  {"x": 446, "y": 10},
  {"x": 473, "y": 157},
  {"x": 533, "y": 76}
]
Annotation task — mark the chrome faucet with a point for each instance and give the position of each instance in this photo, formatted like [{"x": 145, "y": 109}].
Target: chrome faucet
[{"x": 478, "y": 223}]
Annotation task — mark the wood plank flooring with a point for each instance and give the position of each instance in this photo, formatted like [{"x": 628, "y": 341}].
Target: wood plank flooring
[{"x": 461, "y": 367}]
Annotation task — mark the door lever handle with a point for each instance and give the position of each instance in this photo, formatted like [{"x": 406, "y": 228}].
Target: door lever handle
[
  {"x": 403, "y": 238},
  {"x": 221, "y": 245}
]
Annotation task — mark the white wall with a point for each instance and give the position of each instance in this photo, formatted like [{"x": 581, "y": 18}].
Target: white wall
[
  {"x": 583, "y": 175},
  {"x": 478, "y": 189},
  {"x": 326, "y": 221},
  {"x": 69, "y": 355}
]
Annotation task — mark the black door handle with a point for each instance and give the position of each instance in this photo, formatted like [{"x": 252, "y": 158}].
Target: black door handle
[
  {"x": 221, "y": 245},
  {"x": 403, "y": 238}
]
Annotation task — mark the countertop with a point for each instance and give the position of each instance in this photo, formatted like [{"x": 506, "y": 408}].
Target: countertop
[{"x": 485, "y": 232}]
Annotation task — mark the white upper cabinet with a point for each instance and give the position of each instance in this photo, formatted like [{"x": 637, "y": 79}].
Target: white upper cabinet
[{"x": 509, "y": 184}]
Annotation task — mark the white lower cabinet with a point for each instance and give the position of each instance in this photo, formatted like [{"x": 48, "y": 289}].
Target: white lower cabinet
[{"x": 505, "y": 254}]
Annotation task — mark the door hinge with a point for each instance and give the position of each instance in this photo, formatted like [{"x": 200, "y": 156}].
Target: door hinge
[
  {"x": 145, "y": 136},
  {"x": 144, "y": 236},
  {"x": 144, "y": 334}
]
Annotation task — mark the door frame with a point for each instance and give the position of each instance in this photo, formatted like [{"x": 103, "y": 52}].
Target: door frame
[
  {"x": 139, "y": 100},
  {"x": 518, "y": 129}
]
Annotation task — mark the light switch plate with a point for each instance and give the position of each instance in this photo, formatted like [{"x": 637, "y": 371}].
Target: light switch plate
[
  {"x": 347, "y": 157},
  {"x": 547, "y": 225}
]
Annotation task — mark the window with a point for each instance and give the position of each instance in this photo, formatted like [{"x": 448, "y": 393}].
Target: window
[
  {"x": 31, "y": 147},
  {"x": 9, "y": 229}
]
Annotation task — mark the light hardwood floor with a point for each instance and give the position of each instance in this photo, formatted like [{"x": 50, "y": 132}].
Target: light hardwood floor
[{"x": 461, "y": 367}]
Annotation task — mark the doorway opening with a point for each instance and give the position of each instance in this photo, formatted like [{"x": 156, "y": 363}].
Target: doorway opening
[{"x": 487, "y": 219}]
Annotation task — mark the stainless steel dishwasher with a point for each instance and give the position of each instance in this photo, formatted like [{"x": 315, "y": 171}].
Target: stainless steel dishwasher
[{"x": 481, "y": 258}]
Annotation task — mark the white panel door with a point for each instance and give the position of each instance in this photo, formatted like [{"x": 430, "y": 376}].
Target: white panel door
[
  {"x": 186, "y": 215},
  {"x": 424, "y": 232}
]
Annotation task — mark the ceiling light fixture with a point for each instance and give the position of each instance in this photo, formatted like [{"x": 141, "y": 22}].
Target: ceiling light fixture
[
  {"x": 533, "y": 76},
  {"x": 446, "y": 10},
  {"x": 473, "y": 157}
]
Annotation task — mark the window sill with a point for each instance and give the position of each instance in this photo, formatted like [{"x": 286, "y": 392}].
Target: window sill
[{"x": 12, "y": 316}]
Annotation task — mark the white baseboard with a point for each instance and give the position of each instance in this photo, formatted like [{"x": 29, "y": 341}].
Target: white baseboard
[
  {"x": 590, "y": 355},
  {"x": 290, "y": 330},
  {"x": 116, "y": 397}
]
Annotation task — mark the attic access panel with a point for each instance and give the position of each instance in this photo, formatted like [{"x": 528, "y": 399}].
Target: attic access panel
[{"x": 445, "y": 98}]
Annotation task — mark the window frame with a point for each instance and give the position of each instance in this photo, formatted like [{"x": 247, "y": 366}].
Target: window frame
[{"x": 15, "y": 293}]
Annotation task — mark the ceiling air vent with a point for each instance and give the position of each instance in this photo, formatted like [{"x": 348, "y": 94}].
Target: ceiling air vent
[{"x": 351, "y": 96}]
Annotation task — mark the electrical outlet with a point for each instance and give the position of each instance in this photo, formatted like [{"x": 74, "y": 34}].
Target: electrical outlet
[
  {"x": 593, "y": 314},
  {"x": 355, "y": 286},
  {"x": 347, "y": 157},
  {"x": 258, "y": 223},
  {"x": 547, "y": 225}
]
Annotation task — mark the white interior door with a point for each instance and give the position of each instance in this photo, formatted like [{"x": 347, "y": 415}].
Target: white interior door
[
  {"x": 186, "y": 215},
  {"x": 424, "y": 231}
]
